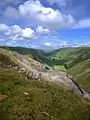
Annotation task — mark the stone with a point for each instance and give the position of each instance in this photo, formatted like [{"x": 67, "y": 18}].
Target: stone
[{"x": 25, "y": 93}]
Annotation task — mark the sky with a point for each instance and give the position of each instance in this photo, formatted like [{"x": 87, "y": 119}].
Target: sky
[{"x": 43, "y": 24}]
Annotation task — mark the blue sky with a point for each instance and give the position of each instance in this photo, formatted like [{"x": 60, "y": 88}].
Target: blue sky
[{"x": 45, "y": 23}]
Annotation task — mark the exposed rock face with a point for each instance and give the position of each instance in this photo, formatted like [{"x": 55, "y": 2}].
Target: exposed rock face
[
  {"x": 63, "y": 80},
  {"x": 30, "y": 75},
  {"x": 22, "y": 70},
  {"x": 36, "y": 75},
  {"x": 39, "y": 72},
  {"x": 34, "y": 65}
]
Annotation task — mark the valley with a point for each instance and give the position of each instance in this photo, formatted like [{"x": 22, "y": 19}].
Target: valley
[{"x": 47, "y": 81}]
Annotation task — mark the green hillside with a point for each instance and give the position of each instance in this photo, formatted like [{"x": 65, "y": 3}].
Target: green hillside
[
  {"x": 38, "y": 55},
  {"x": 76, "y": 61},
  {"x": 23, "y": 97},
  {"x": 45, "y": 101}
]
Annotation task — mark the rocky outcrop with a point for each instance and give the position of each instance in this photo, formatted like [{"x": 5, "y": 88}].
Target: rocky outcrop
[
  {"x": 34, "y": 70},
  {"x": 36, "y": 75},
  {"x": 65, "y": 81},
  {"x": 77, "y": 89}
]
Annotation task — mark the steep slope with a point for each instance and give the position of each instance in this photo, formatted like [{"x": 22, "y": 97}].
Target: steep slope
[
  {"x": 23, "y": 97},
  {"x": 37, "y": 100},
  {"x": 76, "y": 61},
  {"x": 27, "y": 65},
  {"x": 38, "y": 55},
  {"x": 15, "y": 59}
]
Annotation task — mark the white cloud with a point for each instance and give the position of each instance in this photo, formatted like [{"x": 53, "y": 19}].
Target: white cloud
[
  {"x": 11, "y": 12},
  {"x": 42, "y": 30},
  {"x": 3, "y": 28},
  {"x": 83, "y": 24},
  {"x": 27, "y": 33},
  {"x": 45, "y": 16},
  {"x": 14, "y": 38},
  {"x": 63, "y": 43},
  {"x": 16, "y": 33},
  {"x": 13, "y": 30},
  {"x": 48, "y": 44},
  {"x": 59, "y": 44}
]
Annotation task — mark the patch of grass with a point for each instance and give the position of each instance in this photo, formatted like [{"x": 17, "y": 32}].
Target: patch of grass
[
  {"x": 45, "y": 101},
  {"x": 59, "y": 68},
  {"x": 81, "y": 72}
]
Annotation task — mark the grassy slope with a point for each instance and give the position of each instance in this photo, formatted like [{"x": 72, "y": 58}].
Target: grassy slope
[
  {"x": 32, "y": 53},
  {"x": 77, "y": 60},
  {"x": 44, "y": 101},
  {"x": 8, "y": 57}
]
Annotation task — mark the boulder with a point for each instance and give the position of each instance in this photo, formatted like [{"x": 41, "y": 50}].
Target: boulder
[{"x": 36, "y": 75}]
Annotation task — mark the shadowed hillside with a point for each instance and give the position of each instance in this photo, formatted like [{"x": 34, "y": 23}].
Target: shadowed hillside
[{"x": 38, "y": 55}]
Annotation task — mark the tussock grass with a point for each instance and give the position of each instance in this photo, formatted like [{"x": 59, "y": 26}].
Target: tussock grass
[{"x": 45, "y": 101}]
